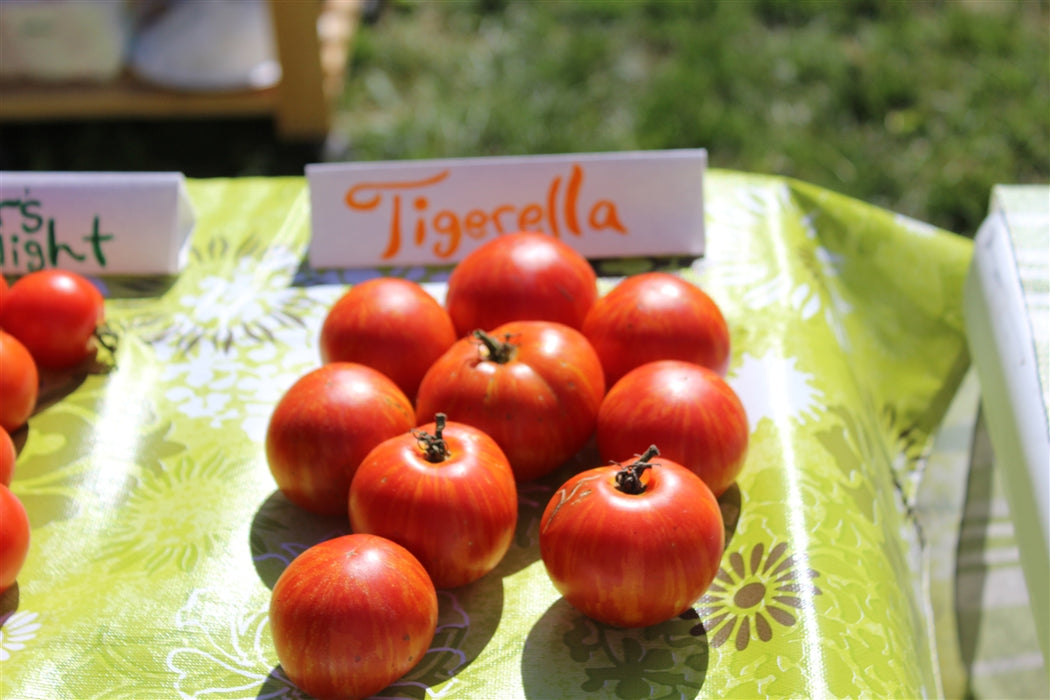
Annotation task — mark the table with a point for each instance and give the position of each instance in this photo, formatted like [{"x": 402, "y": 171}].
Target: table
[
  {"x": 312, "y": 40},
  {"x": 158, "y": 531}
]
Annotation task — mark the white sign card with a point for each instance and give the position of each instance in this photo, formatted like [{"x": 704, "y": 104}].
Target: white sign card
[
  {"x": 95, "y": 223},
  {"x": 434, "y": 212}
]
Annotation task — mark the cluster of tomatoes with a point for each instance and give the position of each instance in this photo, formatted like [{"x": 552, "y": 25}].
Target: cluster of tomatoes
[
  {"x": 48, "y": 320},
  {"x": 423, "y": 419}
]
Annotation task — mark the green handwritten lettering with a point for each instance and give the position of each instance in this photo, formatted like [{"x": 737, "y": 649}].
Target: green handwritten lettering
[
  {"x": 31, "y": 218},
  {"x": 96, "y": 238},
  {"x": 55, "y": 249},
  {"x": 36, "y": 256}
]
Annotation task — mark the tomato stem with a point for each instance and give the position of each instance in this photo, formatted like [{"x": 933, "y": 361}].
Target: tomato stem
[
  {"x": 500, "y": 351},
  {"x": 434, "y": 446},
  {"x": 107, "y": 338},
  {"x": 629, "y": 478}
]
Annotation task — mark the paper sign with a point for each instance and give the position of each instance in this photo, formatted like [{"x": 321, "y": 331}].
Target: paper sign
[
  {"x": 94, "y": 223},
  {"x": 428, "y": 212}
]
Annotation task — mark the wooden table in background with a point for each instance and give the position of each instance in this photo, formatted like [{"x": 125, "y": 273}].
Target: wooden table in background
[{"x": 312, "y": 41}]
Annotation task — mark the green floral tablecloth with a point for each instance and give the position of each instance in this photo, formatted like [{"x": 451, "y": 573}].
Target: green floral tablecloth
[{"x": 158, "y": 531}]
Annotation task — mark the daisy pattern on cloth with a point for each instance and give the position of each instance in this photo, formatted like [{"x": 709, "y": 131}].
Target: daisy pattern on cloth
[
  {"x": 801, "y": 274},
  {"x": 154, "y": 534},
  {"x": 17, "y": 629},
  {"x": 213, "y": 348},
  {"x": 232, "y": 308},
  {"x": 226, "y": 390},
  {"x": 774, "y": 387},
  {"x": 751, "y": 597},
  {"x": 227, "y": 644}
]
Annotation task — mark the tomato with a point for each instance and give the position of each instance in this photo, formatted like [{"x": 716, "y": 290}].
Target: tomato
[
  {"x": 533, "y": 386},
  {"x": 19, "y": 383},
  {"x": 689, "y": 411},
  {"x": 351, "y": 615},
  {"x": 54, "y": 313},
  {"x": 633, "y": 545},
  {"x": 8, "y": 456},
  {"x": 324, "y": 425},
  {"x": 656, "y": 316},
  {"x": 524, "y": 276},
  {"x": 446, "y": 493},
  {"x": 390, "y": 324},
  {"x": 14, "y": 537}
]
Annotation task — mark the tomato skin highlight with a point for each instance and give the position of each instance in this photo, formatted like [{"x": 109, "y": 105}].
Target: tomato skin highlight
[
  {"x": 540, "y": 406},
  {"x": 689, "y": 411},
  {"x": 19, "y": 383},
  {"x": 351, "y": 615},
  {"x": 522, "y": 276},
  {"x": 54, "y": 313},
  {"x": 390, "y": 324},
  {"x": 657, "y": 316},
  {"x": 324, "y": 425},
  {"x": 632, "y": 560},
  {"x": 14, "y": 537},
  {"x": 456, "y": 516}
]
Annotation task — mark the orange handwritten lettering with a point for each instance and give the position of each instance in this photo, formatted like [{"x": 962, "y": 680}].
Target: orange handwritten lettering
[
  {"x": 497, "y": 213},
  {"x": 351, "y": 194},
  {"x": 555, "y": 210},
  {"x": 572, "y": 192},
  {"x": 530, "y": 216},
  {"x": 446, "y": 223},
  {"x": 474, "y": 223},
  {"x": 552, "y": 198},
  {"x": 603, "y": 215}
]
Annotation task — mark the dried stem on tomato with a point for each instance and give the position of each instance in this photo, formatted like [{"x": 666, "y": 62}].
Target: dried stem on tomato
[
  {"x": 434, "y": 446},
  {"x": 500, "y": 351},
  {"x": 629, "y": 478}
]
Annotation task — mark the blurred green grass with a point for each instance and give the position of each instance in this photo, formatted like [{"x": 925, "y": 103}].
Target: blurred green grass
[{"x": 916, "y": 107}]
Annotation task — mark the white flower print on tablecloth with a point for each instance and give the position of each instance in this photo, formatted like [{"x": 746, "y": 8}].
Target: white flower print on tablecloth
[
  {"x": 238, "y": 390},
  {"x": 229, "y": 348},
  {"x": 759, "y": 281},
  {"x": 16, "y": 631},
  {"x": 773, "y": 387}
]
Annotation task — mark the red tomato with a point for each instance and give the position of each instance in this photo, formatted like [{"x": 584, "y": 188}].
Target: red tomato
[
  {"x": 54, "y": 313},
  {"x": 633, "y": 545},
  {"x": 524, "y": 276},
  {"x": 390, "y": 324},
  {"x": 656, "y": 316},
  {"x": 533, "y": 386},
  {"x": 14, "y": 537},
  {"x": 689, "y": 411},
  {"x": 19, "y": 383},
  {"x": 351, "y": 615},
  {"x": 446, "y": 493},
  {"x": 8, "y": 455},
  {"x": 323, "y": 427}
]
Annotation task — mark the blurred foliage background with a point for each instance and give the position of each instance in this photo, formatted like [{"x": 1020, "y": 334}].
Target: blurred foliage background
[{"x": 918, "y": 107}]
